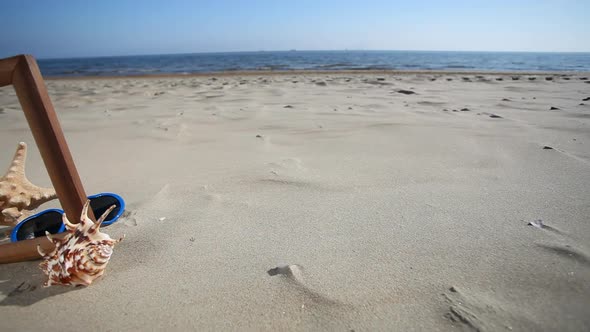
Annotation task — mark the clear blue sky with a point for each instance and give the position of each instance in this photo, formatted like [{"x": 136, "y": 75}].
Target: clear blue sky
[{"x": 61, "y": 28}]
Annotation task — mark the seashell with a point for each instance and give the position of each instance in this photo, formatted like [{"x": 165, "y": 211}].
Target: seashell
[
  {"x": 82, "y": 255},
  {"x": 18, "y": 196}
]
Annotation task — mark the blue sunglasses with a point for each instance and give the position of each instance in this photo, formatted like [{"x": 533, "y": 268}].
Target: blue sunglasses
[{"x": 51, "y": 220}]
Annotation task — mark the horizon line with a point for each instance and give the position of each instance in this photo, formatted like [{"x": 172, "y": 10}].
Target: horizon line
[{"x": 294, "y": 50}]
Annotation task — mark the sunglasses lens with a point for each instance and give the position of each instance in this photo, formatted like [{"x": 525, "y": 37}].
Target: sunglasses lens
[
  {"x": 102, "y": 203},
  {"x": 36, "y": 227}
]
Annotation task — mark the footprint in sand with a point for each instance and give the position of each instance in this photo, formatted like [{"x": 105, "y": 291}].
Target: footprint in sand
[
  {"x": 290, "y": 172},
  {"x": 288, "y": 165},
  {"x": 567, "y": 251},
  {"x": 293, "y": 274},
  {"x": 266, "y": 141},
  {"x": 128, "y": 218},
  {"x": 563, "y": 250},
  {"x": 165, "y": 205},
  {"x": 482, "y": 312},
  {"x": 172, "y": 128}
]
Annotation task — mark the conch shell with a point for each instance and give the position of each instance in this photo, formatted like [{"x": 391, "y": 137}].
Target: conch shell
[{"x": 82, "y": 255}]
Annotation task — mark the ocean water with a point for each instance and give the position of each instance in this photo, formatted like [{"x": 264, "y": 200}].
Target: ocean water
[{"x": 314, "y": 60}]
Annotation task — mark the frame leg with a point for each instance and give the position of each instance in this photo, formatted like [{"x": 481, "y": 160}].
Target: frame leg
[{"x": 32, "y": 94}]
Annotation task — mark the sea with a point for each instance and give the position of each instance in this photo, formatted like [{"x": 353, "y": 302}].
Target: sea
[{"x": 315, "y": 60}]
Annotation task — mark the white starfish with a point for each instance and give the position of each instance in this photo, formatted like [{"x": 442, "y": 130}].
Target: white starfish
[{"x": 18, "y": 196}]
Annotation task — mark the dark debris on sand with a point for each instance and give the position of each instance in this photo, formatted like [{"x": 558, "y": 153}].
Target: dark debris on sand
[
  {"x": 537, "y": 223},
  {"x": 406, "y": 92},
  {"x": 553, "y": 108}
]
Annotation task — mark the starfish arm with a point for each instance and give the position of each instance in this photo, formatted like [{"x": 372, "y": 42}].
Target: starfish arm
[
  {"x": 17, "y": 166},
  {"x": 17, "y": 193}
]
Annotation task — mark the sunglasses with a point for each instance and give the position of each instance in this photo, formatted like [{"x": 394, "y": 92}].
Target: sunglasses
[{"x": 51, "y": 220}]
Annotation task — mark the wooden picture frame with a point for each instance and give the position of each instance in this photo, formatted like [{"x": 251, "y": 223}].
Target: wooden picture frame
[{"x": 22, "y": 72}]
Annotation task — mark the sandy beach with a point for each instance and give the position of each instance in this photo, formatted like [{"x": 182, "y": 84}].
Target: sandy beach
[{"x": 323, "y": 201}]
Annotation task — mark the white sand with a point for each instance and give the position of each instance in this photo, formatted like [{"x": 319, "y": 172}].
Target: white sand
[{"x": 391, "y": 213}]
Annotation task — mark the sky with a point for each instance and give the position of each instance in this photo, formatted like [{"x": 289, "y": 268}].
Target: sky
[{"x": 79, "y": 28}]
